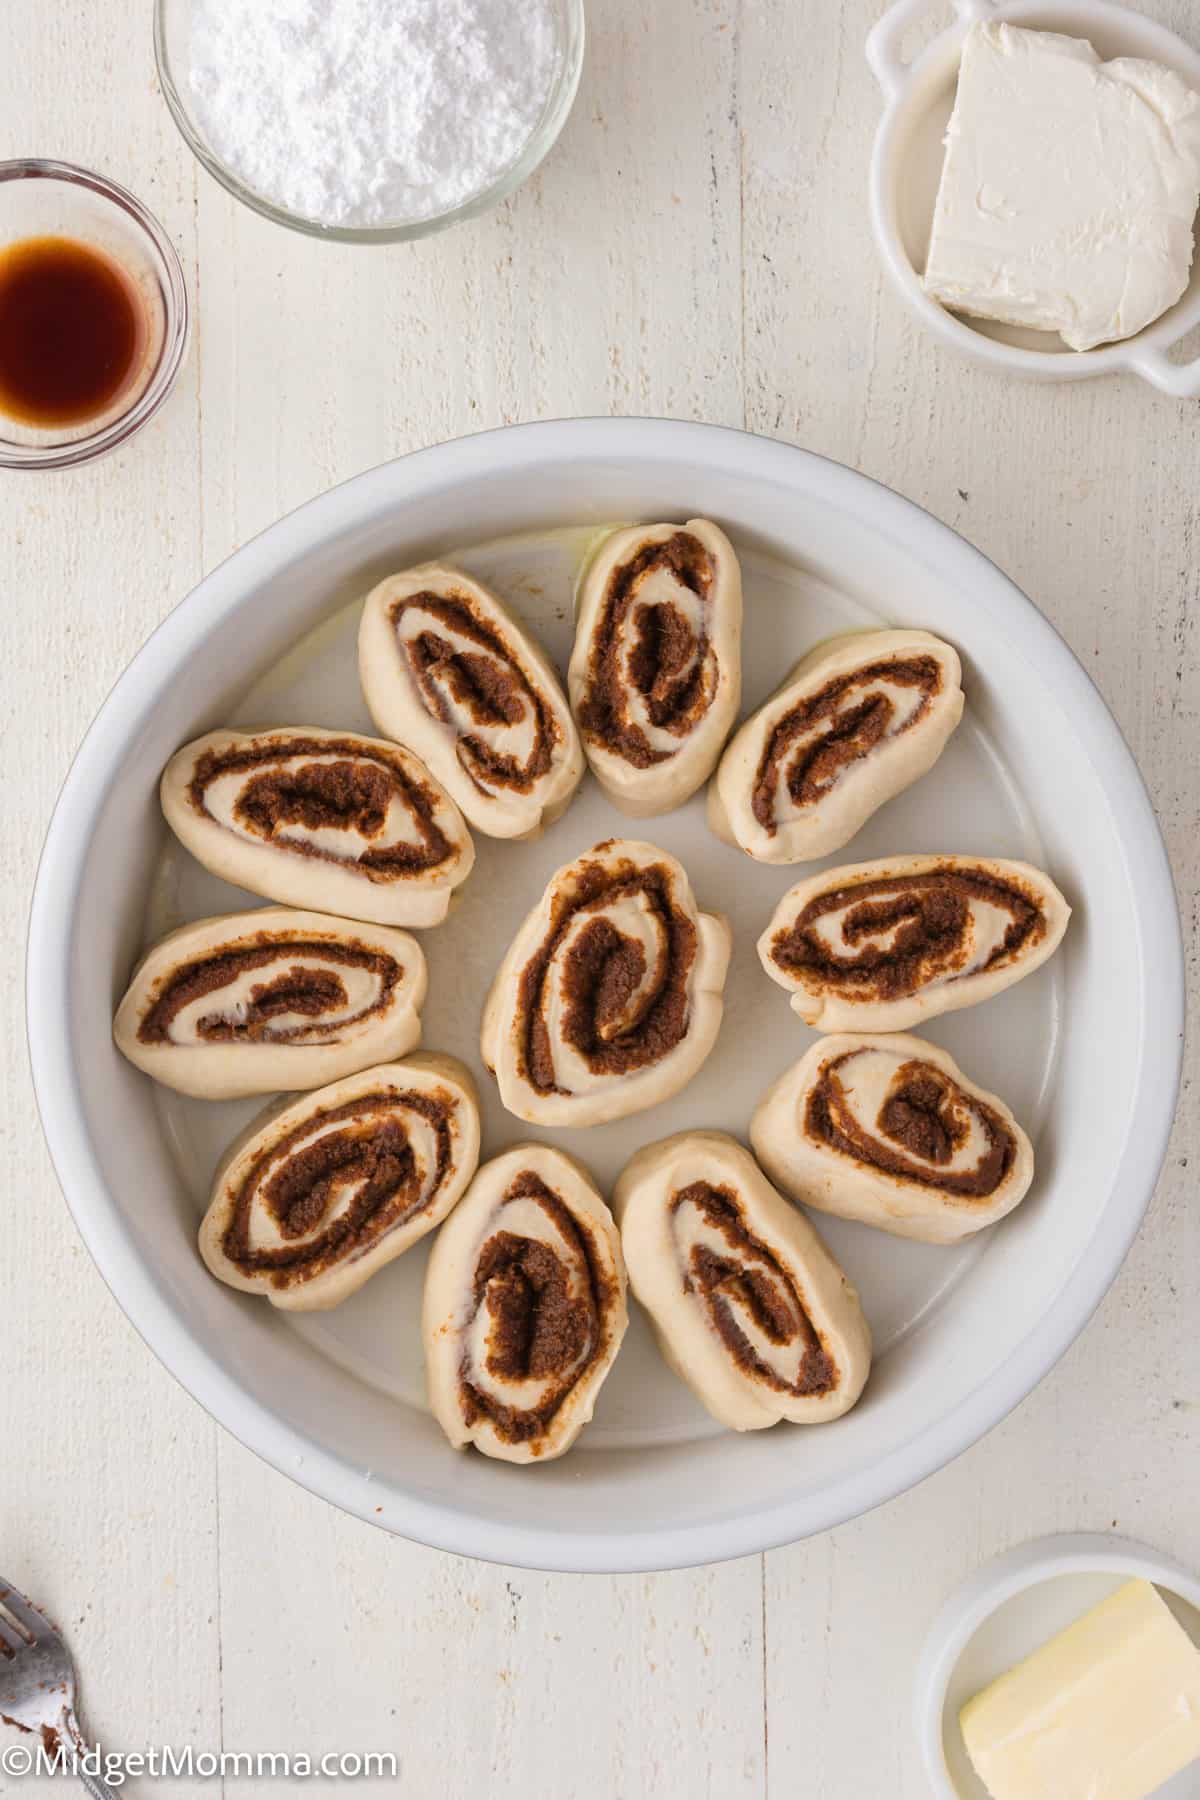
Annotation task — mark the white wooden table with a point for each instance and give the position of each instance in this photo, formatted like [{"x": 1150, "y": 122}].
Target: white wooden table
[{"x": 697, "y": 246}]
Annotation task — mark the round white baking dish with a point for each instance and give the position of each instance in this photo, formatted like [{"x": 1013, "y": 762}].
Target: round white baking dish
[
  {"x": 653, "y": 1483},
  {"x": 1005, "y": 1612},
  {"x": 907, "y": 161}
]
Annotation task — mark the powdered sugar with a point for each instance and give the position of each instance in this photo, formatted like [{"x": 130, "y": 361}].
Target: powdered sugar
[{"x": 371, "y": 112}]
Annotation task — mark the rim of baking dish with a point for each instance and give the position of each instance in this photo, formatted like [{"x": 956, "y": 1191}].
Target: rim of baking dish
[{"x": 113, "y": 1245}]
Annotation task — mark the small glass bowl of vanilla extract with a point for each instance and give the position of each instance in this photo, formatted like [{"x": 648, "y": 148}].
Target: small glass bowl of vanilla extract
[{"x": 93, "y": 315}]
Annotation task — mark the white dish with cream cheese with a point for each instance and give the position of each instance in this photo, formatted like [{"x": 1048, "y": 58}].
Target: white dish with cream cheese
[
  {"x": 1069, "y": 190},
  {"x": 906, "y": 169}
]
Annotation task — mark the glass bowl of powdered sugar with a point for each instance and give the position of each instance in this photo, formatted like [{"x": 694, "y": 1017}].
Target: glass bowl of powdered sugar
[{"x": 369, "y": 121}]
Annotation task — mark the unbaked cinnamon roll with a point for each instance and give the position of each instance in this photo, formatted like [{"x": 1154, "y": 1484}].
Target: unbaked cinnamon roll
[
  {"x": 320, "y": 1193},
  {"x": 321, "y": 819},
  {"x": 610, "y": 996},
  {"x": 890, "y": 1131},
  {"x": 524, "y": 1307},
  {"x": 656, "y": 673},
  {"x": 448, "y": 670},
  {"x": 856, "y": 720},
  {"x": 883, "y": 945},
  {"x": 260, "y": 1002},
  {"x": 748, "y": 1306}
]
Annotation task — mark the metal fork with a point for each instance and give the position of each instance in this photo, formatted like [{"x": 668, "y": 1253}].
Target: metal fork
[{"x": 37, "y": 1681}]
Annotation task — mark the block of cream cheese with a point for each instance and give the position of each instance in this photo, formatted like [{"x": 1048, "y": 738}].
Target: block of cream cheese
[
  {"x": 1107, "y": 1710},
  {"x": 1069, "y": 188}
]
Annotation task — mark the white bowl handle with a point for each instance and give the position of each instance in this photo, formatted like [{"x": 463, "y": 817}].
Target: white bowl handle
[
  {"x": 883, "y": 41},
  {"x": 1180, "y": 379}
]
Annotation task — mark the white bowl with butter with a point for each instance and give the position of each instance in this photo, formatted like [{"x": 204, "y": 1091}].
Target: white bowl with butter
[
  {"x": 1012, "y": 1608},
  {"x": 907, "y": 167}
]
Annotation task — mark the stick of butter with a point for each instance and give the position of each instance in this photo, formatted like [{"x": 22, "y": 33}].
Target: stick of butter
[{"x": 1107, "y": 1710}]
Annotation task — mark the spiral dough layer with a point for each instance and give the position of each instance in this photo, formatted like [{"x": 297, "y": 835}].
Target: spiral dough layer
[
  {"x": 319, "y": 1194},
  {"x": 883, "y": 945},
  {"x": 524, "y": 1307},
  {"x": 259, "y": 1002},
  {"x": 609, "y": 998},
  {"x": 857, "y": 720},
  {"x": 447, "y": 669},
  {"x": 889, "y": 1130},
  {"x": 749, "y": 1307},
  {"x": 322, "y": 819},
  {"x": 656, "y": 673}
]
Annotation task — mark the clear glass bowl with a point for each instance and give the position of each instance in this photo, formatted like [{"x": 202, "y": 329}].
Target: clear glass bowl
[
  {"x": 172, "y": 28},
  {"x": 40, "y": 198}
]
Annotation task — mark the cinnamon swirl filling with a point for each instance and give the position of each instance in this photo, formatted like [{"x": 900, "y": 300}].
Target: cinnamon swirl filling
[
  {"x": 810, "y": 748},
  {"x": 468, "y": 678},
  {"x": 888, "y": 1129},
  {"x": 330, "y": 820},
  {"x": 656, "y": 673},
  {"x": 749, "y": 1297},
  {"x": 451, "y": 671},
  {"x": 539, "y": 1299},
  {"x": 524, "y": 1307},
  {"x": 910, "y": 1118},
  {"x": 856, "y": 721},
  {"x": 610, "y": 981},
  {"x": 889, "y": 938},
  {"x": 288, "y": 991},
  {"x": 333, "y": 1187},
  {"x": 749, "y": 1307},
  {"x": 311, "y": 1201},
  {"x": 880, "y": 946},
  {"x": 610, "y": 996},
  {"x": 336, "y": 799},
  {"x": 652, "y": 665},
  {"x": 263, "y": 1001}
]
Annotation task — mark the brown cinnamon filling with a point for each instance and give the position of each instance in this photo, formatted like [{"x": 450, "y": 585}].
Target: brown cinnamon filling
[
  {"x": 538, "y": 1329},
  {"x": 601, "y": 975},
  {"x": 857, "y": 728},
  {"x": 490, "y": 687},
  {"x": 299, "y": 1186},
  {"x": 926, "y": 1115},
  {"x": 289, "y": 989},
  {"x": 667, "y": 663},
  {"x": 930, "y": 914},
  {"x": 751, "y": 1275},
  {"x": 352, "y": 794}
]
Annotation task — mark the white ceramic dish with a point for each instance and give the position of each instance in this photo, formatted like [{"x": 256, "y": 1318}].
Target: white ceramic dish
[
  {"x": 1006, "y": 1611},
  {"x": 907, "y": 162},
  {"x": 1038, "y": 769}
]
